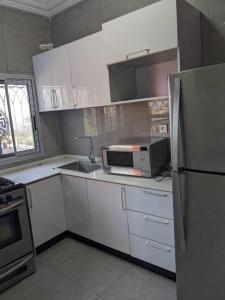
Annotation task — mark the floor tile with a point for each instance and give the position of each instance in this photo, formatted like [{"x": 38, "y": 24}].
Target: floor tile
[
  {"x": 46, "y": 285},
  {"x": 139, "y": 284},
  {"x": 93, "y": 269},
  {"x": 62, "y": 252},
  {"x": 71, "y": 270}
]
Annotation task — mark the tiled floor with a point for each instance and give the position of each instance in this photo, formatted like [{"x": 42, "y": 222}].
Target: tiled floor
[{"x": 73, "y": 271}]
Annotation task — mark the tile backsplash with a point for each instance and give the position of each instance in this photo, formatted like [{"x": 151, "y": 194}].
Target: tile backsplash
[{"x": 112, "y": 123}]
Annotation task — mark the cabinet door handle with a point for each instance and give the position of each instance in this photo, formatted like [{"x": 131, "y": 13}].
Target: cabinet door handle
[
  {"x": 123, "y": 198},
  {"x": 75, "y": 97},
  {"x": 30, "y": 197},
  {"x": 52, "y": 98},
  {"x": 144, "y": 51},
  {"x": 55, "y": 99},
  {"x": 166, "y": 249},
  {"x": 147, "y": 218},
  {"x": 155, "y": 194}
]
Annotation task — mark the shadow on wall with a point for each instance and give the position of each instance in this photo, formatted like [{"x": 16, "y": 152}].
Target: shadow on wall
[{"x": 111, "y": 124}]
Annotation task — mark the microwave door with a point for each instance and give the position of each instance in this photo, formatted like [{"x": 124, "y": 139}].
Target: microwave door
[{"x": 118, "y": 159}]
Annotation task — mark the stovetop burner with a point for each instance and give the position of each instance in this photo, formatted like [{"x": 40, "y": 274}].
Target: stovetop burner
[{"x": 6, "y": 185}]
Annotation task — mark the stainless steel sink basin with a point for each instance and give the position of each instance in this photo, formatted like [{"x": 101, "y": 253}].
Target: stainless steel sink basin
[{"x": 82, "y": 166}]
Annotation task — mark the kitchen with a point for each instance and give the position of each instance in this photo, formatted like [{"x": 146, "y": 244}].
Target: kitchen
[{"x": 88, "y": 200}]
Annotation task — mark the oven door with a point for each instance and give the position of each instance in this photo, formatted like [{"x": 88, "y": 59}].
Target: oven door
[{"x": 15, "y": 233}]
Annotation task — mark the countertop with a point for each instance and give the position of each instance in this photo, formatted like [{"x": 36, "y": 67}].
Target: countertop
[{"x": 29, "y": 173}]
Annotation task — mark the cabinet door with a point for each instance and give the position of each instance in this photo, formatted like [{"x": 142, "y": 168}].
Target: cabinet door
[
  {"x": 42, "y": 73},
  {"x": 90, "y": 79},
  {"x": 108, "y": 215},
  {"x": 76, "y": 206},
  {"x": 152, "y": 28},
  {"x": 46, "y": 209},
  {"x": 61, "y": 78}
]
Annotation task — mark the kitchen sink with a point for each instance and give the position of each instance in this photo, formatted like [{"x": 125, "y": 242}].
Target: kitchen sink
[{"x": 82, "y": 166}]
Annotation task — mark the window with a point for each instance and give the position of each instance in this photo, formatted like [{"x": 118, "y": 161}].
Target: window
[{"x": 18, "y": 126}]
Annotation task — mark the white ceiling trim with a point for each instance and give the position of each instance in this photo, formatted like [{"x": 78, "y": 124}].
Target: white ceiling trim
[
  {"x": 62, "y": 7},
  {"x": 44, "y": 12}
]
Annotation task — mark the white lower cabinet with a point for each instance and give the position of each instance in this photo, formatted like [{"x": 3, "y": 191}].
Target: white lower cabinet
[
  {"x": 109, "y": 214},
  {"x": 151, "y": 227},
  {"x": 46, "y": 209},
  {"x": 136, "y": 221},
  {"x": 153, "y": 252},
  {"x": 76, "y": 206}
]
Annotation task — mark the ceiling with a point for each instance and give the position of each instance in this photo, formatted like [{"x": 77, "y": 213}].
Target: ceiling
[{"x": 46, "y": 8}]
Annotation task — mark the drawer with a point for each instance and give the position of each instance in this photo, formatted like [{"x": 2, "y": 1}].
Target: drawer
[
  {"x": 151, "y": 202},
  {"x": 152, "y": 252},
  {"x": 151, "y": 227}
]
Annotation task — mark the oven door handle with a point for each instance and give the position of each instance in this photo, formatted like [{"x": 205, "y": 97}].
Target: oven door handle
[
  {"x": 15, "y": 268},
  {"x": 11, "y": 207}
]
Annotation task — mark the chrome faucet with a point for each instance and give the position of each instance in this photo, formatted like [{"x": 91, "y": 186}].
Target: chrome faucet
[{"x": 91, "y": 155}]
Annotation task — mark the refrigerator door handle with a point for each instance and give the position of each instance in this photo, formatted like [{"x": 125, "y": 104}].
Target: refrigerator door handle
[
  {"x": 175, "y": 120},
  {"x": 179, "y": 212}
]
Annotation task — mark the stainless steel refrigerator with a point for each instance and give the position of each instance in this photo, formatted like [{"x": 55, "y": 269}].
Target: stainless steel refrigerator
[{"x": 197, "y": 103}]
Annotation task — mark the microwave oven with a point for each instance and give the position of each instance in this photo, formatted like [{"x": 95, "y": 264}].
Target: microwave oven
[{"x": 142, "y": 158}]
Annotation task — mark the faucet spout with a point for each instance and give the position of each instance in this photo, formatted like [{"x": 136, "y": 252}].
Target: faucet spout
[{"x": 91, "y": 156}]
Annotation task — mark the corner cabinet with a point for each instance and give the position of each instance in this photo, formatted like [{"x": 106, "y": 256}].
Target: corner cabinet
[
  {"x": 109, "y": 214},
  {"x": 46, "y": 209},
  {"x": 76, "y": 206}
]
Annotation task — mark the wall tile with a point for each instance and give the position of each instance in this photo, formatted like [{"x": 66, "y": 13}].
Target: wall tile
[
  {"x": 217, "y": 14},
  {"x": 23, "y": 32},
  {"x": 51, "y": 134},
  {"x": 3, "y": 62},
  {"x": 87, "y": 17},
  {"x": 201, "y": 5},
  {"x": 111, "y": 124}
]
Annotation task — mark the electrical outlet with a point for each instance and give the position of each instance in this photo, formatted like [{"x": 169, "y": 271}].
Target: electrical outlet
[{"x": 163, "y": 128}]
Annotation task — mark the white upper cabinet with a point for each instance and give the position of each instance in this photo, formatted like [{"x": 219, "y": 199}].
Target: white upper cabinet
[
  {"x": 61, "y": 78},
  {"x": 53, "y": 80},
  {"x": 148, "y": 30},
  {"x": 43, "y": 80},
  {"x": 89, "y": 72}
]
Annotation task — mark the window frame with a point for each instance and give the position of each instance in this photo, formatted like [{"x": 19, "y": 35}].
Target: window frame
[{"x": 35, "y": 119}]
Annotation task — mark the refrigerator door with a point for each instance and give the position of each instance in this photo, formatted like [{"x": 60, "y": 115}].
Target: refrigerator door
[
  {"x": 198, "y": 107},
  {"x": 201, "y": 263}
]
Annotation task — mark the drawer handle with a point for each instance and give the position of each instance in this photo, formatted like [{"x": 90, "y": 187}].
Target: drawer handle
[
  {"x": 166, "y": 222},
  {"x": 167, "y": 249},
  {"x": 155, "y": 194}
]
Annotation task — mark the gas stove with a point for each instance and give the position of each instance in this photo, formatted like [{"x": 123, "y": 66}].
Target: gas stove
[
  {"x": 8, "y": 185},
  {"x": 16, "y": 245}
]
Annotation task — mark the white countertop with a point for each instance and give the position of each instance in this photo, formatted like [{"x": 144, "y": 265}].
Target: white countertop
[{"x": 32, "y": 172}]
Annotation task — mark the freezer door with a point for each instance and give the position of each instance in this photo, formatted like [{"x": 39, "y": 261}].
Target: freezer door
[
  {"x": 198, "y": 107},
  {"x": 201, "y": 263}
]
